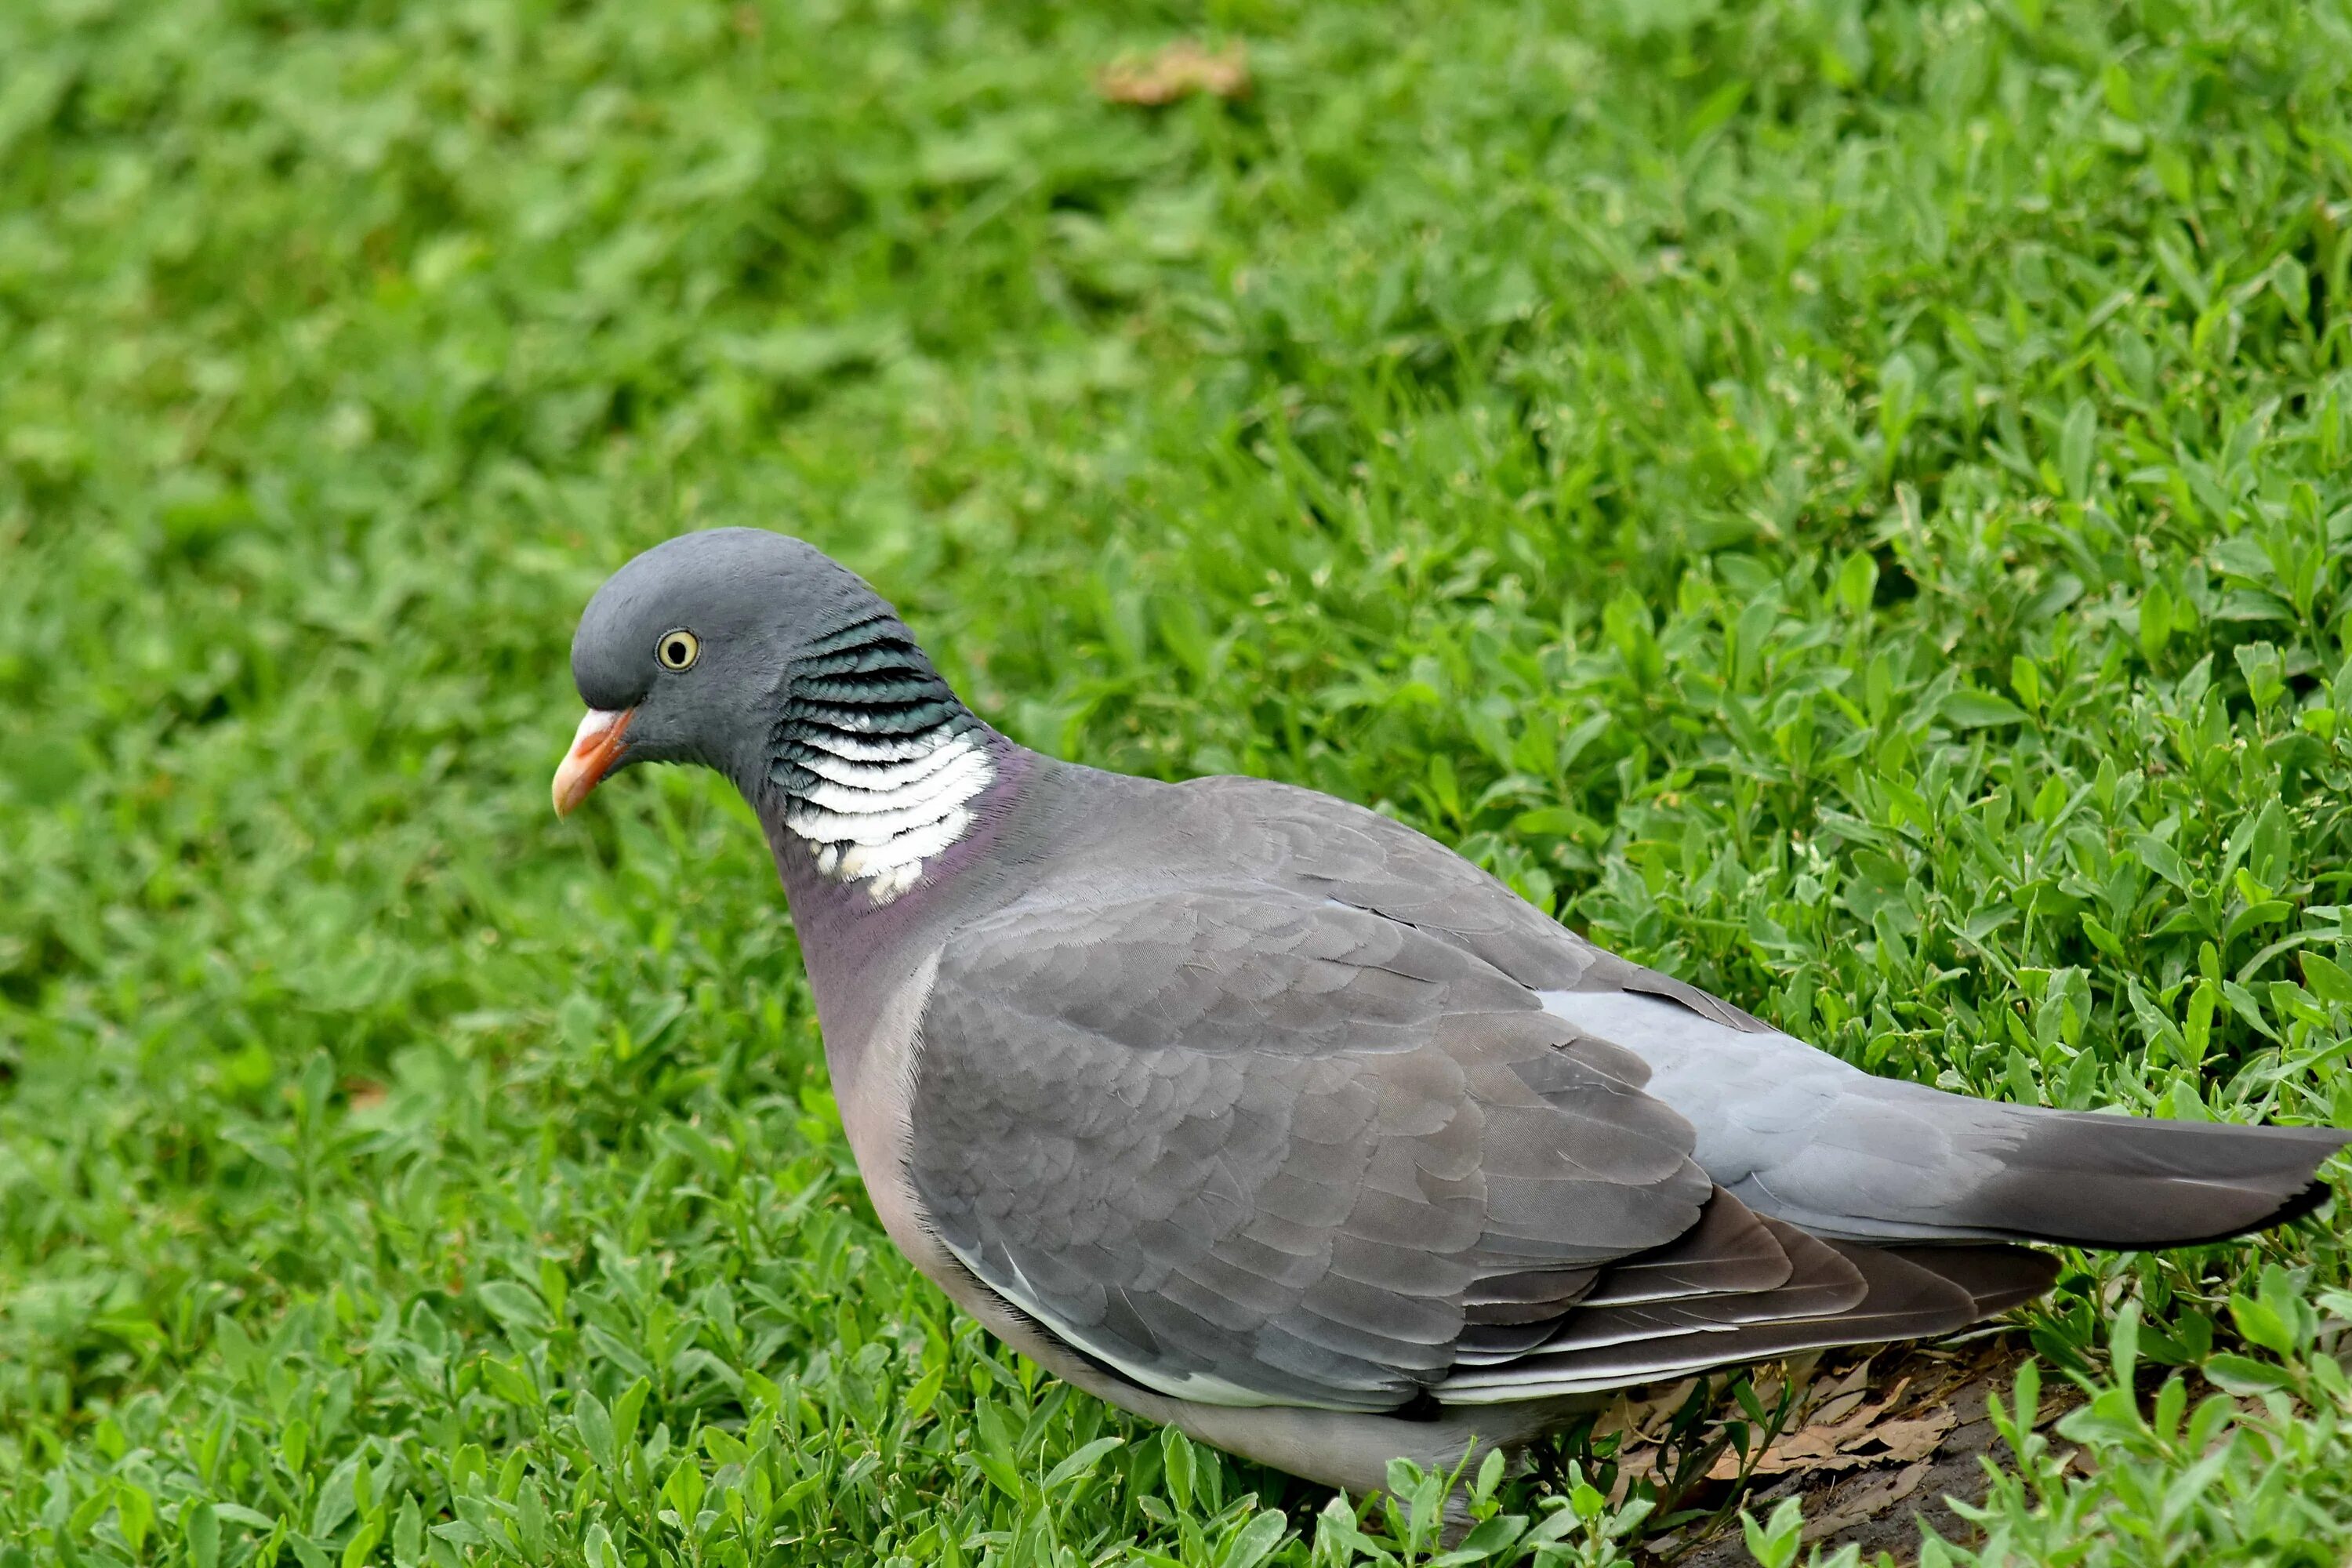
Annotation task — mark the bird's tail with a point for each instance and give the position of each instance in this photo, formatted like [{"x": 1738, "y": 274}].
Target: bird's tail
[
  {"x": 1889, "y": 1162},
  {"x": 1799, "y": 1135},
  {"x": 2030, "y": 1175}
]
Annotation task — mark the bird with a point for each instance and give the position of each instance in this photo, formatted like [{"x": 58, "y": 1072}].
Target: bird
[{"x": 1257, "y": 1113}]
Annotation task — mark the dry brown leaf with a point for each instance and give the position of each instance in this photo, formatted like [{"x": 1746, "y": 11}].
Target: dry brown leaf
[
  {"x": 1842, "y": 1397},
  {"x": 1831, "y": 1446},
  {"x": 1779, "y": 1461},
  {"x": 1179, "y": 70},
  {"x": 1907, "y": 1440},
  {"x": 1838, "y": 1409},
  {"x": 1867, "y": 1503},
  {"x": 1838, "y": 1428},
  {"x": 1856, "y": 1379},
  {"x": 1799, "y": 1450}
]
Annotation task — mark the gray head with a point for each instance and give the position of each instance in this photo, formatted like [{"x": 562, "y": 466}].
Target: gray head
[{"x": 712, "y": 648}]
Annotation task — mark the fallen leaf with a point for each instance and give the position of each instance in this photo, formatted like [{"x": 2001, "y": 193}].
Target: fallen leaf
[
  {"x": 1907, "y": 1440},
  {"x": 1840, "y": 1445},
  {"x": 1867, "y": 1503},
  {"x": 1843, "y": 1396},
  {"x": 1180, "y": 71}
]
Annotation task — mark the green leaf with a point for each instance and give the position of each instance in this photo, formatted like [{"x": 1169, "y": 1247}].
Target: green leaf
[
  {"x": 1080, "y": 1461},
  {"x": 509, "y": 1381},
  {"x": 238, "y": 1350},
  {"x": 1776, "y": 1543},
  {"x": 1857, "y": 583},
  {"x": 363, "y": 1541},
  {"x": 685, "y": 1488},
  {"x": 1489, "y": 1537},
  {"x": 1490, "y": 1476},
  {"x": 2155, "y": 621},
  {"x": 594, "y": 1425},
  {"x": 2261, "y": 1325},
  {"x": 2123, "y": 1344},
  {"x": 134, "y": 1514},
  {"x": 2159, "y": 858},
  {"x": 2103, "y": 939},
  {"x": 337, "y": 1499},
  {"x": 408, "y": 1534},
  {"x": 515, "y": 1306},
  {"x": 1555, "y": 1525},
  {"x": 2075, "y": 446},
  {"x": 2326, "y": 978},
  {"x": 1551, "y": 822},
  {"x": 1177, "y": 1465},
  {"x": 1975, "y": 710},
  {"x": 200, "y": 1531},
  {"x": 624, "y": 1417},
  {"x": 1257, "y": 1539},
  {"x": 995, "y": 1452},
  {"x": 2241, "y": 1375},
  {"x": 925, "y": 1393},
  {"x": 2025, "y": 680}
]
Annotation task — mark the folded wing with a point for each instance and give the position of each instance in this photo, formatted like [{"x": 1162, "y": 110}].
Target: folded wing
[{"x": 1257, "y": 1147}]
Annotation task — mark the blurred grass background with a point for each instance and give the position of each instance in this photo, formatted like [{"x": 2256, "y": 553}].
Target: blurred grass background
[{"x": 1846, "y": 501}]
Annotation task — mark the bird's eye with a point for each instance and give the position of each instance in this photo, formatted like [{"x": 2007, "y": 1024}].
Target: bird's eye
[{"x": 677, "y": 650}]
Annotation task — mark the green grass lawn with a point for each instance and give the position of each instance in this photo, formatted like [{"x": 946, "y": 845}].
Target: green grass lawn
[{"x": 1847, "y": 502}]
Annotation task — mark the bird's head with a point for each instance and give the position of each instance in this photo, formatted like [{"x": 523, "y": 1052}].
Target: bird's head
[{"x": 686, "y": 654}]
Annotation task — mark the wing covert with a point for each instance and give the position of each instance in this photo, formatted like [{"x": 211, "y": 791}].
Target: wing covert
[{"x": 1253, "y": 1146}]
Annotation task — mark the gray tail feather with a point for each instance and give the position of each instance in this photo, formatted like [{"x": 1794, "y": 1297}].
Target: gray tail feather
[{"x": 2124, "y": 1182}]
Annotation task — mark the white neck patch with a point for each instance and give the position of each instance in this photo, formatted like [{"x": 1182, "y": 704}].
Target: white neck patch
[{"x": 882, "y": 804}]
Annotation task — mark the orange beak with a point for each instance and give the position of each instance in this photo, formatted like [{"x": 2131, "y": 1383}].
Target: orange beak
[{"x": 595, "y": 747}]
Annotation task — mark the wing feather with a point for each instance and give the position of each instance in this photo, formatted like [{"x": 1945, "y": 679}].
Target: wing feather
[{"x": 1271, "y": 1145}]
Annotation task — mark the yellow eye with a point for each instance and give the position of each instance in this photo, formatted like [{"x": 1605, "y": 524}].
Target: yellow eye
[{"x": 677, "y": 650}]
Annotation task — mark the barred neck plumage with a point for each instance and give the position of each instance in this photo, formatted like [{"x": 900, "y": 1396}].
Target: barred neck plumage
[{"x": 878, "y": 759}]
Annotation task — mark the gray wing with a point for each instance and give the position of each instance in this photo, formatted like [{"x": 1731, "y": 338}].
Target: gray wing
[
  {"x": 1328, "y": 847},
  {"x": 1256, "y": 1148},
  {"x": 1251, "y": 1147}
]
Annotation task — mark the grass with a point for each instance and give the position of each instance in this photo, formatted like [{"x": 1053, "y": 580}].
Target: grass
[{"x": 1848, "y": 502}]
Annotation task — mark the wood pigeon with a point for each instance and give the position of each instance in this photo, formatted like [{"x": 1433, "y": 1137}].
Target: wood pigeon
[{"x": 1252, "y": 1111}]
